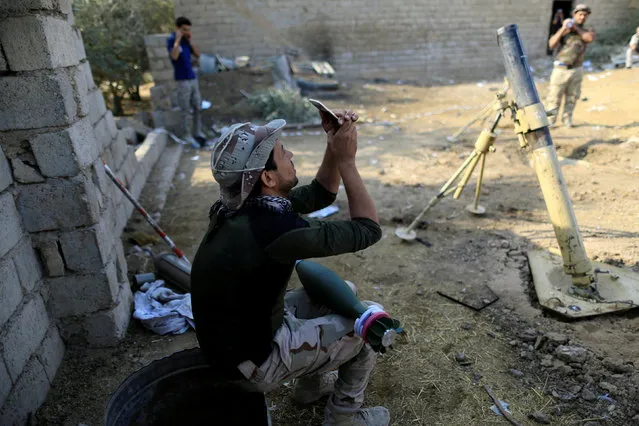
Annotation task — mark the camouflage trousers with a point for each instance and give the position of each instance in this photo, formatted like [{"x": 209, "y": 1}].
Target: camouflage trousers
[
  {"x": 564, "y": 82},
  {"x": 311, "y": 341}
]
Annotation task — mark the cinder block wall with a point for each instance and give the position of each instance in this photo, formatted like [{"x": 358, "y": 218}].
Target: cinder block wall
[
  {"x": 428, "y": 41},
  {"x": 163, "y": 95},
  {"x": 63, "y": 274}
]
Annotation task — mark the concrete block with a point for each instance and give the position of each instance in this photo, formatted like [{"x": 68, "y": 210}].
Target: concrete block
[
  {"x": 24, "y": 335},
  {"x": 130, "y": 136},
  {"x": 88, "y": 75},
  {"x": 158, "y": 92},
  {"x": 25, "y": 5},
  {"x": 111, "y": 126},
  {"x": 86, "y": 250},
  {"x": 52, "y": 258},
  {"x": 5, "y": 383},
  {"x": 38, "y": 42},
  {"x": 35, "y": 100},
  {"x": 10, "y": 226},
  {"x": 83, "y": 294},
  {"x": 160, "y": 75},
  {"x": 27, "y": 264},
  {"x": 81, "y": 91},
  {"x": 140, "y": 128},
  {"x": 24, "y": 172},
  {"x": 58, "y": 204},
  {"x": 106, "y": 328},
  {"x": 121, "y": 262},
  {"x": 129, "y": 166},
  {"x": 28, "y": 394},
  {"x": 102, "y": 134},
  {"x": 97, "y": 107},
  {"x": 3, "y": 63},
  {"x": 10, "y": 292},
  {"x": 119, "y": 148},
  {"x": 79, "y": 45},
  {"x": 64, "y": 153},
  {"x": 100, "y": 178},
  {"x": 5, "y": 172},
  {"x": 51, "y": 352}
]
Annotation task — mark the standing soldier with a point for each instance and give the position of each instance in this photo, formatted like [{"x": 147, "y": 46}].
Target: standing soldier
[
  {"x": 181, "y": 48},
  {"x": 573, "y": 39}
]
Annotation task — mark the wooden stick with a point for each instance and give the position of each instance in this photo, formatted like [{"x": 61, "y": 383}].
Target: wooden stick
[{"x": 500, "y": 408}]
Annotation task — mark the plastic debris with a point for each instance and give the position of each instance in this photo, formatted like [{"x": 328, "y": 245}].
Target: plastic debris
[
  {"x": 504, "y": 405},
  {"x": 206, "y": 105}
]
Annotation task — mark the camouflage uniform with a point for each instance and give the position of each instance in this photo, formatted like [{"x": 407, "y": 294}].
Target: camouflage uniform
[
  {"x": 567, "y": 76},
  {"x": 312, "y": 341}
]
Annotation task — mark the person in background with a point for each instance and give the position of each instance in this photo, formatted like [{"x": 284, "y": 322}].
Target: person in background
[
  {"x": 181, "y": 47},
  {"x": 633, "y": 49},
  {"x": 557, "y": 21},
  {"x": 572, "y": 40}
]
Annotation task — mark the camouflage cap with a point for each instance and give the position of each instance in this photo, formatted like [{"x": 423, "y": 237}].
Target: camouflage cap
[
  {"x": 239, "y": 156},
  {"x": 582, "y": 8}
]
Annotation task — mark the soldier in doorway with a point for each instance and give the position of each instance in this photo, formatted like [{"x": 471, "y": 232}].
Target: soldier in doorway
[{"x": 572, "y": 39}]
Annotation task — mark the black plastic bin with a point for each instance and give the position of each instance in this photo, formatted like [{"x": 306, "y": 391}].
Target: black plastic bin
[{"x": 183, "y": 389}]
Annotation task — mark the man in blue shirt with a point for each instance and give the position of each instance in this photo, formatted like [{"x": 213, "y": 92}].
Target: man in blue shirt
[{"x": 180, "y": 49}]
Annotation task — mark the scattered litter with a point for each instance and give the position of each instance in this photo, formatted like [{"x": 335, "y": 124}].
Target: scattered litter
[
  {"x": 374, "y": 162},
  {"x": 195, "y": 157},
  {"x": 587, "y": 63},
  {"x": 325, "y": 212},
  {"x": 597, "y": 108},
  {"x": 592, "y": 78},
  {"x": 480, "y": 84},
  {"x": 162, "y": 310},
  {"x": 181, "y": 176},
  {"x": 370, "y": 142},
  {"x": 606, "y": 398},
  {"x": 381, "y": 138},
  {"x": 206, "y": 105},
  {"x": 504, "y": 405},
  {"x": 451, "y": 81},
  {"x": 500, "y": 407}
]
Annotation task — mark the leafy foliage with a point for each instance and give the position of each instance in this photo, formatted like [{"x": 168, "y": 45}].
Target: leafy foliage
[
  {"x": 113, "y": 33},
  {"x": 283, "y": 103}
]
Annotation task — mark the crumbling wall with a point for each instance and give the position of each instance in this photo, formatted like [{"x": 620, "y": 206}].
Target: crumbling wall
[
  {"x": 63, "y": 274},
  {"x": 429, "y": 41}
]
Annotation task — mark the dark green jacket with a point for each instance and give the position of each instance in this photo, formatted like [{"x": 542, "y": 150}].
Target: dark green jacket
[{"x": 241, "y": 270}]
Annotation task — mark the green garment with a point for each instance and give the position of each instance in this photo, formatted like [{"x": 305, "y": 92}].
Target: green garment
[{"x": 242, "y": 267}]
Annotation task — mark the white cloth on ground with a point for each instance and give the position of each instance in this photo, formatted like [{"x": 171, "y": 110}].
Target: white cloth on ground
[{"x": 162, "y": 310}]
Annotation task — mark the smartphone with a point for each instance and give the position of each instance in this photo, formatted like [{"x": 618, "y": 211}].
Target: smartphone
[{"x": 320, "y": 106}]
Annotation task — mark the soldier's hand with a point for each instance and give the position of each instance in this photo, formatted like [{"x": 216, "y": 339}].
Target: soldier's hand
[{"x": 343, "y": 142}]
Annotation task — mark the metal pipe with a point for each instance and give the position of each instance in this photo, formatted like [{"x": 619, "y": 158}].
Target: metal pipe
[{"x": 551, "y": 179}]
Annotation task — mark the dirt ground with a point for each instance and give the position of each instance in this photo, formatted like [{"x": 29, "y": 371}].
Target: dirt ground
[{"x": 437, "y": 372}]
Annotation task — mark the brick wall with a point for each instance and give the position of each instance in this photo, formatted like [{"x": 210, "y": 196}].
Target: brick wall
[
  {"x": 431, "y": 41},
  {"x": 63, "y": 273}
]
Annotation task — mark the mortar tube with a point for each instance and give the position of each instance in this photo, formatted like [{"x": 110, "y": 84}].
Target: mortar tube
[{"x": 551, "y": 179}]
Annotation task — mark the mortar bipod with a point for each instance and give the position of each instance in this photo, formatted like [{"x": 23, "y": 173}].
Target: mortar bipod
[{"x": 483, "y": 145}]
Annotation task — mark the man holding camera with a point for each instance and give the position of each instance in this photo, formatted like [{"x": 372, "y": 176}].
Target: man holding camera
[
  {"x": 573, "y": 39},
  {"x": 180, "y": 49}
]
